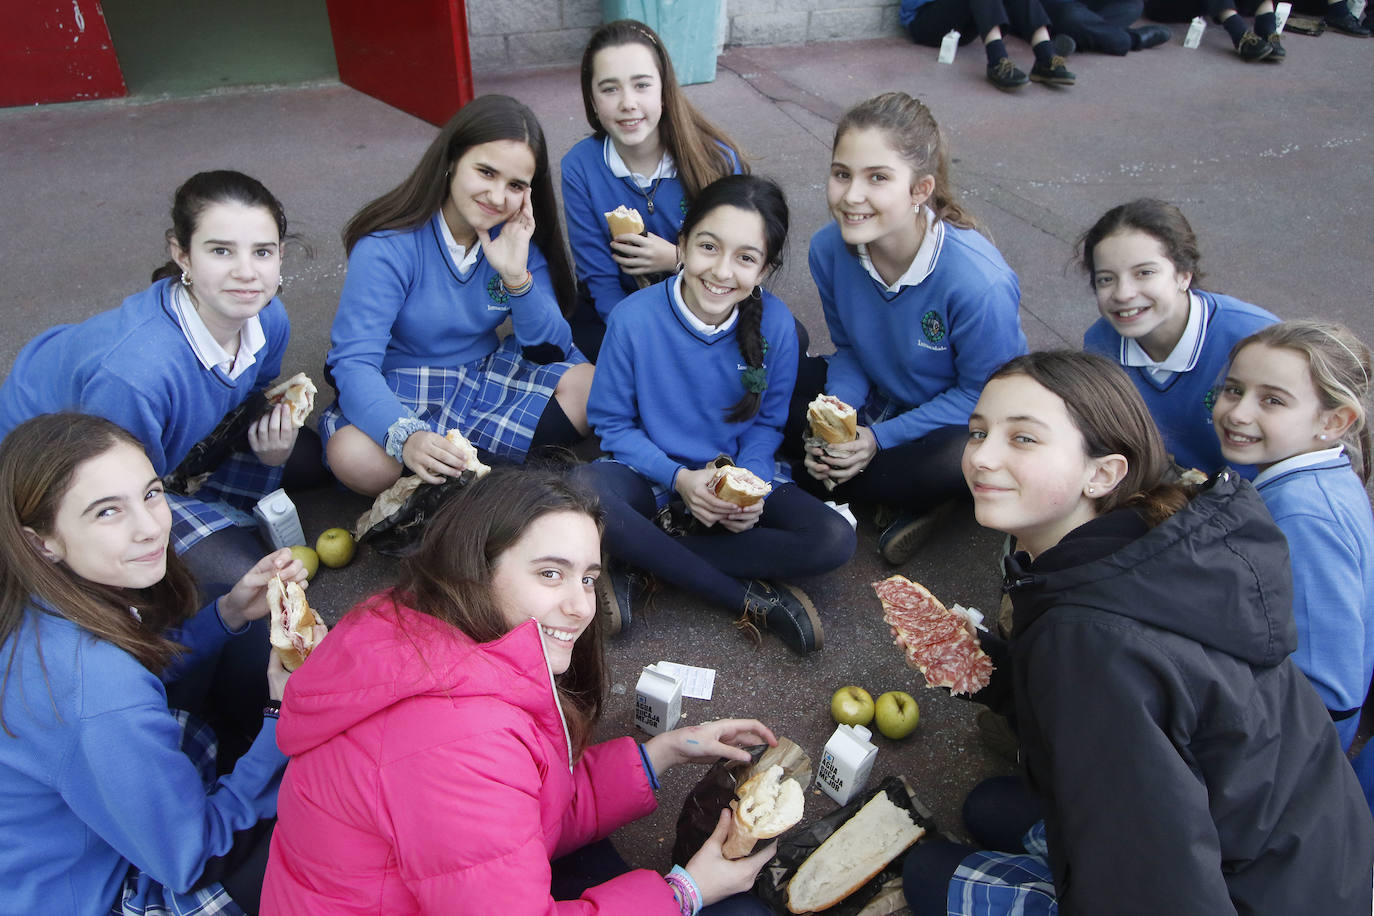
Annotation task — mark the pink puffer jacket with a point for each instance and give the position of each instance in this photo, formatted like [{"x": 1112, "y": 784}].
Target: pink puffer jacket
[{"x": 430, "y": 774}]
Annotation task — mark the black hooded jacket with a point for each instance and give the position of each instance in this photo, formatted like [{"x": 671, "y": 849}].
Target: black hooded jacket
[{"x": 1187, "y": 764}]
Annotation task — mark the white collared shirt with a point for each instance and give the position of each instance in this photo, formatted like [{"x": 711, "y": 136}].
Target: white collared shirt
[
  {"x": 1306, "y": 459},
  {"x": 462, "y": 258},
  {"x": 921, "y": 265},
  {"x": 1185, "y": 353},
  {"x": 203, "y": 343},
  {"x": 693, "y": 320},
  {"x": 666, "y": 167}
]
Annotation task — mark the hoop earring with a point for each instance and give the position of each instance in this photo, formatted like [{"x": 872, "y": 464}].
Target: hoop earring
[
  {"x": 185, "y": 279},
  {"x": 678, "y": 268},
  {"x": 757, "y": 295},
  {"x": 916, "y": 208},
  {"x": 281, "y": 284}
]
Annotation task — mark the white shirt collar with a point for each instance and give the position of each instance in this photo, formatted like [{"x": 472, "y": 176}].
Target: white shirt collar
[
  {"x": 203, "y": 343},
  {"x": 462, "y": 258},
  {"x": 666, "y": 167},
  {"x": 1306, "y": 459},
  {"x": 675, "y": 286},
  {"x": 921, "y": 265},
  {"x": 1185, "y": 353}
]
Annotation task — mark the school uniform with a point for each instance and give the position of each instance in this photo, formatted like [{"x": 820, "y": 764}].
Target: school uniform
[
  {"x": 596, "y": 181},
  {"x": 414, "y": 344},
  {"x": 912, "y": 357},
  {"x": 145, "y": 367},
  {"x": 1181, "y": 390},
  {"x": 658, "y": 402},
  {"x": 927, "y": 21},
  {"x": 1322, "y": 508}
]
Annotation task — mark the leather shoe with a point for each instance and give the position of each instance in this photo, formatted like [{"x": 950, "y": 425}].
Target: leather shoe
[
  {"x": 1149, "y": 36},
  {"x": 1346, "y": 22}
]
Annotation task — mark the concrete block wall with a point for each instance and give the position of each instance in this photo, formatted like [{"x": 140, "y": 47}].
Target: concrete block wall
[{"x": 519, "y": 34}]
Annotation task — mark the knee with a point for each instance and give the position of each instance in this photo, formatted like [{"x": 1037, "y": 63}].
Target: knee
[
  {"x": 359, "y": 463},
  {"x": 572, "y": 392},
  {"x": 834, "y": 542}
]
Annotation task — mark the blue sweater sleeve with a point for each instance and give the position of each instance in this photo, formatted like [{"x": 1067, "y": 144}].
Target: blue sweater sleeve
[
  {"x": 535, "y": 316},
  {"x": 985, "y": 332},
  {"x": 845, "y": 377},
  {"x": 108, "y": 395},
  {"x": 125, "y": 775},
  {"x": 759, "y": 443},
  {"x": 613, "y": 409},
  {"x": 203, "y": 635},
  {"x": 589, "y": 236}
]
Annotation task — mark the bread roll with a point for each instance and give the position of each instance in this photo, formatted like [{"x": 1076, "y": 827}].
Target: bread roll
[
  {"x": 298, "y": 392},
  {"x": 861, "y": 848},
  {"x": 624, "y": 220},
  {"x": 765, "y": 805},
  {"x": 832, "y": 419},
  {"x": 293, "y": 622},
  {"x": 471, "y": 462},
  {"x": 740, "y": 486}
]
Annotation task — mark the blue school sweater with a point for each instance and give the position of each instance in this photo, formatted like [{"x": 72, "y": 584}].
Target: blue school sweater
[
  {"x": 134, "y": 366},
  {"x": 930, "y": 346},
  {"x": 404, "y": 305},
  {"x": 1324, "y": 512},
  {"x": 590, "y": 191},
  {"x": 1182, "y": 405},
  {"x": 662, "y": 389},
  {"x": 96, "y": 780}
]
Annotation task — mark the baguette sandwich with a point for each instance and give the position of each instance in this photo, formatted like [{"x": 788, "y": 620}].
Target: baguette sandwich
[
  {"x": 765, "y": 805},
  {"x": 471, "y": 461},
  {"x": 293, "y": 622},
  {"x": 740, "y": 486},
  {"x": 832, "y": 419},
  {"x": 624, "y": 220},
  {"x": 297, "y": 392},
  {"x": 845, "y": 862}
]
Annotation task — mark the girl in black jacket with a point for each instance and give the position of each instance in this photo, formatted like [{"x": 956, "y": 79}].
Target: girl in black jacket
[{"x": 1175, "y": 760}]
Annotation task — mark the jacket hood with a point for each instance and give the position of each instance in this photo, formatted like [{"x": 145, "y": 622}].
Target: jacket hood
[
  {"x": 383, "y": 653},
  {"x": 1217, "y": 572}
]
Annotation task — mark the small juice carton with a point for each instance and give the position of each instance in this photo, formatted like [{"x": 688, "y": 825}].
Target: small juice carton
[
  {"x": 846, "y": 763},
  {"x": 658, "y": 701}
]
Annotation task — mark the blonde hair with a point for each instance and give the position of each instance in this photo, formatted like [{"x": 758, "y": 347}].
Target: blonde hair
[{"x": 1340, "y": 366}]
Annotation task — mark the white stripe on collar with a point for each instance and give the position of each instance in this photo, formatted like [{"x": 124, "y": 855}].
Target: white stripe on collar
[
  {"x": 675, "y": 286},
  {"x": 666, "y": 167},
  {"x": 1185, "y": 354},
  {"x": 1297, "y": 462},
  {"x": 922, "y": 265},
  {"x": 203, "y": 343}
]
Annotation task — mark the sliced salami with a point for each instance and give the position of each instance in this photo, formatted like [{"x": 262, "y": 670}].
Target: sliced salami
[{"x": 935, "y": 640}]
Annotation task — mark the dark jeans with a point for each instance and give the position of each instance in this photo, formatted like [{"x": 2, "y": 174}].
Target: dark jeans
[
  {"x": 599, "y": 862},
  {"x": 975, "y": 18},
  {"x": 1096, "y": 25}
]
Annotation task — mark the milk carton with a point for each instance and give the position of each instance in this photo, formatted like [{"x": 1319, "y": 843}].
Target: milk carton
[
  {"x": 278, "y": 521},
  {"x": 949, "y": 45},
  {"x": 658, "y": 701},
  {"x": 1195, "y": 30},
  {"x": 846, "y": 763}
]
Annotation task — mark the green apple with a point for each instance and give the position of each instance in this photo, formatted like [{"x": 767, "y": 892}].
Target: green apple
[
  {"x": 897, "y": 714},
  {"x": 309, "y": 559},
  {"x": 336, "y": 548},
  {"x": 852, "y": 706}
]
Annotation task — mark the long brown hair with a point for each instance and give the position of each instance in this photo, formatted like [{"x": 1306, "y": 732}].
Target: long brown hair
[
  {"x": 912, "y": 131},
  {"x": 1112, "y": 418},
  {"x": 450, "y": 577},
  {"x": 413, "y": 202},
  {"x": 693, "y": 141},
  {"x": 38, "y": 461}
]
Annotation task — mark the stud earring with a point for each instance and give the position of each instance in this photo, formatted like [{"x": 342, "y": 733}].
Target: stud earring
[
  {"x": 1091, "y": 490},
  {"x": 916, "y": 208},
  {"x": 185, "y": 279},
  {"x": 1323, "y": 437}
]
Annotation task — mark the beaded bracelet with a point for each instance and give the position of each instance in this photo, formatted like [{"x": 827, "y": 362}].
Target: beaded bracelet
[
  {"x": 522, "y": 287},
  {"x": 685, "y": 890}
]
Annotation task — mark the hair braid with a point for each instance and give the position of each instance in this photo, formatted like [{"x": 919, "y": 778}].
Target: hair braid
[{"x": 752, "y": 347}]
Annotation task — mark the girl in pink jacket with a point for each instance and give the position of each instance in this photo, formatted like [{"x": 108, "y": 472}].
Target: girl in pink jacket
[{"x": 439, "y": 737}]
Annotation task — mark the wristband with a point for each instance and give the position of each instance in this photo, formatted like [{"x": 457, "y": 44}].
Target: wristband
[
  {"x": 685, "y": 890},
  {"x": 272, "y": 710},
  {"x": 522, "y": 287},
  {"x": 399, "y": 432},
  {"x": 648, "y": 768}
]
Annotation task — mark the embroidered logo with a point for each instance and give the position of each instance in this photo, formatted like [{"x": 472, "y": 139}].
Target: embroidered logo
[
  {"x": 497, "y": 291},
  {"x": 682, "y": 205},
  {"x": 1209, "y": 400},
  {"x": 932, "y": 327}
]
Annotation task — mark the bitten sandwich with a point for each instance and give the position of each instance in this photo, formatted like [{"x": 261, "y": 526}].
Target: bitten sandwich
[
  {"x": 765, "y": 805},
  {"x": 297, "y": 392},
  {"x": 624, "y": 220},
  {"x": 832, "y": 419},
  {"x": 740, "y": 486},
  {"x": 293, "y": 622}
]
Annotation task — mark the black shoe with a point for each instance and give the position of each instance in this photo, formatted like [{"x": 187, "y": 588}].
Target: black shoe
[
  {"x": 1345, "y": 22},
  {"x": 905, "y": 536},
  {"x": 1150, "y": 36},
  {"x": 1252, "y": 48},
  {"x": 1279, "y": 53},
  {"x": 1055, "y": 74},
  {"x": 1006, "y": 76},
  {"x": 786, "y": 611},
  {"x": 1064, "y": 45},
  {"x": 615, "y": 590}
]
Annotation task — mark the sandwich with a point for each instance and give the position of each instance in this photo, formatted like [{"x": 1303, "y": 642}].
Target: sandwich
[
  {"x": 738, "y": 485},
  {"x": 765, "y": 805},
  {"x": 471, "y": 462},
  {"x": 624, "y": 220},
  {"x": 852, "y": 855},
  {"x": 832, "y": 419},
  {"x": 293, "y": 622},
  {"x": 298, "y": 392}
]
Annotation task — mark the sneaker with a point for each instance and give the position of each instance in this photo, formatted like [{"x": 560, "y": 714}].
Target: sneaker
[
  {"x": 1006, "y": 76},
  {"x": 1347, "y": 23},
  {"x": 1252, "y": 48},
  {"x": 614, "y": 590},
  {"x": 901, "y": 539},
  {"x": 1056, "y": 74},
  {"x": 1063, "y": 45},
  {"x": 1278, "y": 53},
  {"x": 786, "y": 611},
  {"x": 997, "y": 736}
]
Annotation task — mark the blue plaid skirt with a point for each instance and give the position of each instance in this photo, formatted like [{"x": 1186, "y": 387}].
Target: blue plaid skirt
[
  {"x": 495, "y": 401},
  {"x": 1004, "y": 883},
  {"x": 141, "y": 895},
  {"x": 226, "y": 499}
]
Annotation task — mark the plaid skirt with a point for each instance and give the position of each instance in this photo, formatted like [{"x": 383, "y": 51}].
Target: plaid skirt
[
  {"x": 141, "y": 895},
  {"x": 1006, "y": 884},
  {"x": 495, "y": 401},
  {"x": 225, "y": 499}
]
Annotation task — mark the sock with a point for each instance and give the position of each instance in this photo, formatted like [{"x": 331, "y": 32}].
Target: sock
[
  {"x": 1044, "y": 53},
  {"x": 996, "y": 51},
  {"x": 553, "y": 429},
  {"x": 1235, "y": 27},
  {"x": 1266, "y": 24}
]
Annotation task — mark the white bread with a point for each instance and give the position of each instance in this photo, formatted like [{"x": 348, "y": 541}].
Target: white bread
[
  {"x": 624, "y": 220},
  {"x": 852, "y": 855},
  {"x": 470, "y": 460},
  {"x": 832, "y": 419},
  {"x": 765, "y": 805},
  {"x": 740, "y": 486},
  {"x": 293, "y": 622},
  {"x": 297, "y": 392}
]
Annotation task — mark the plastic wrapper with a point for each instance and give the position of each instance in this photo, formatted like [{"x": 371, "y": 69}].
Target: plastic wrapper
[
  {"x": 230, "y": 435},
  {"x": 396, "y": 521}
]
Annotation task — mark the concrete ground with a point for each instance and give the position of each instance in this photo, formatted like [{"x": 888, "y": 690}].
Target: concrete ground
[{"x": 1271, "y": 163}]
